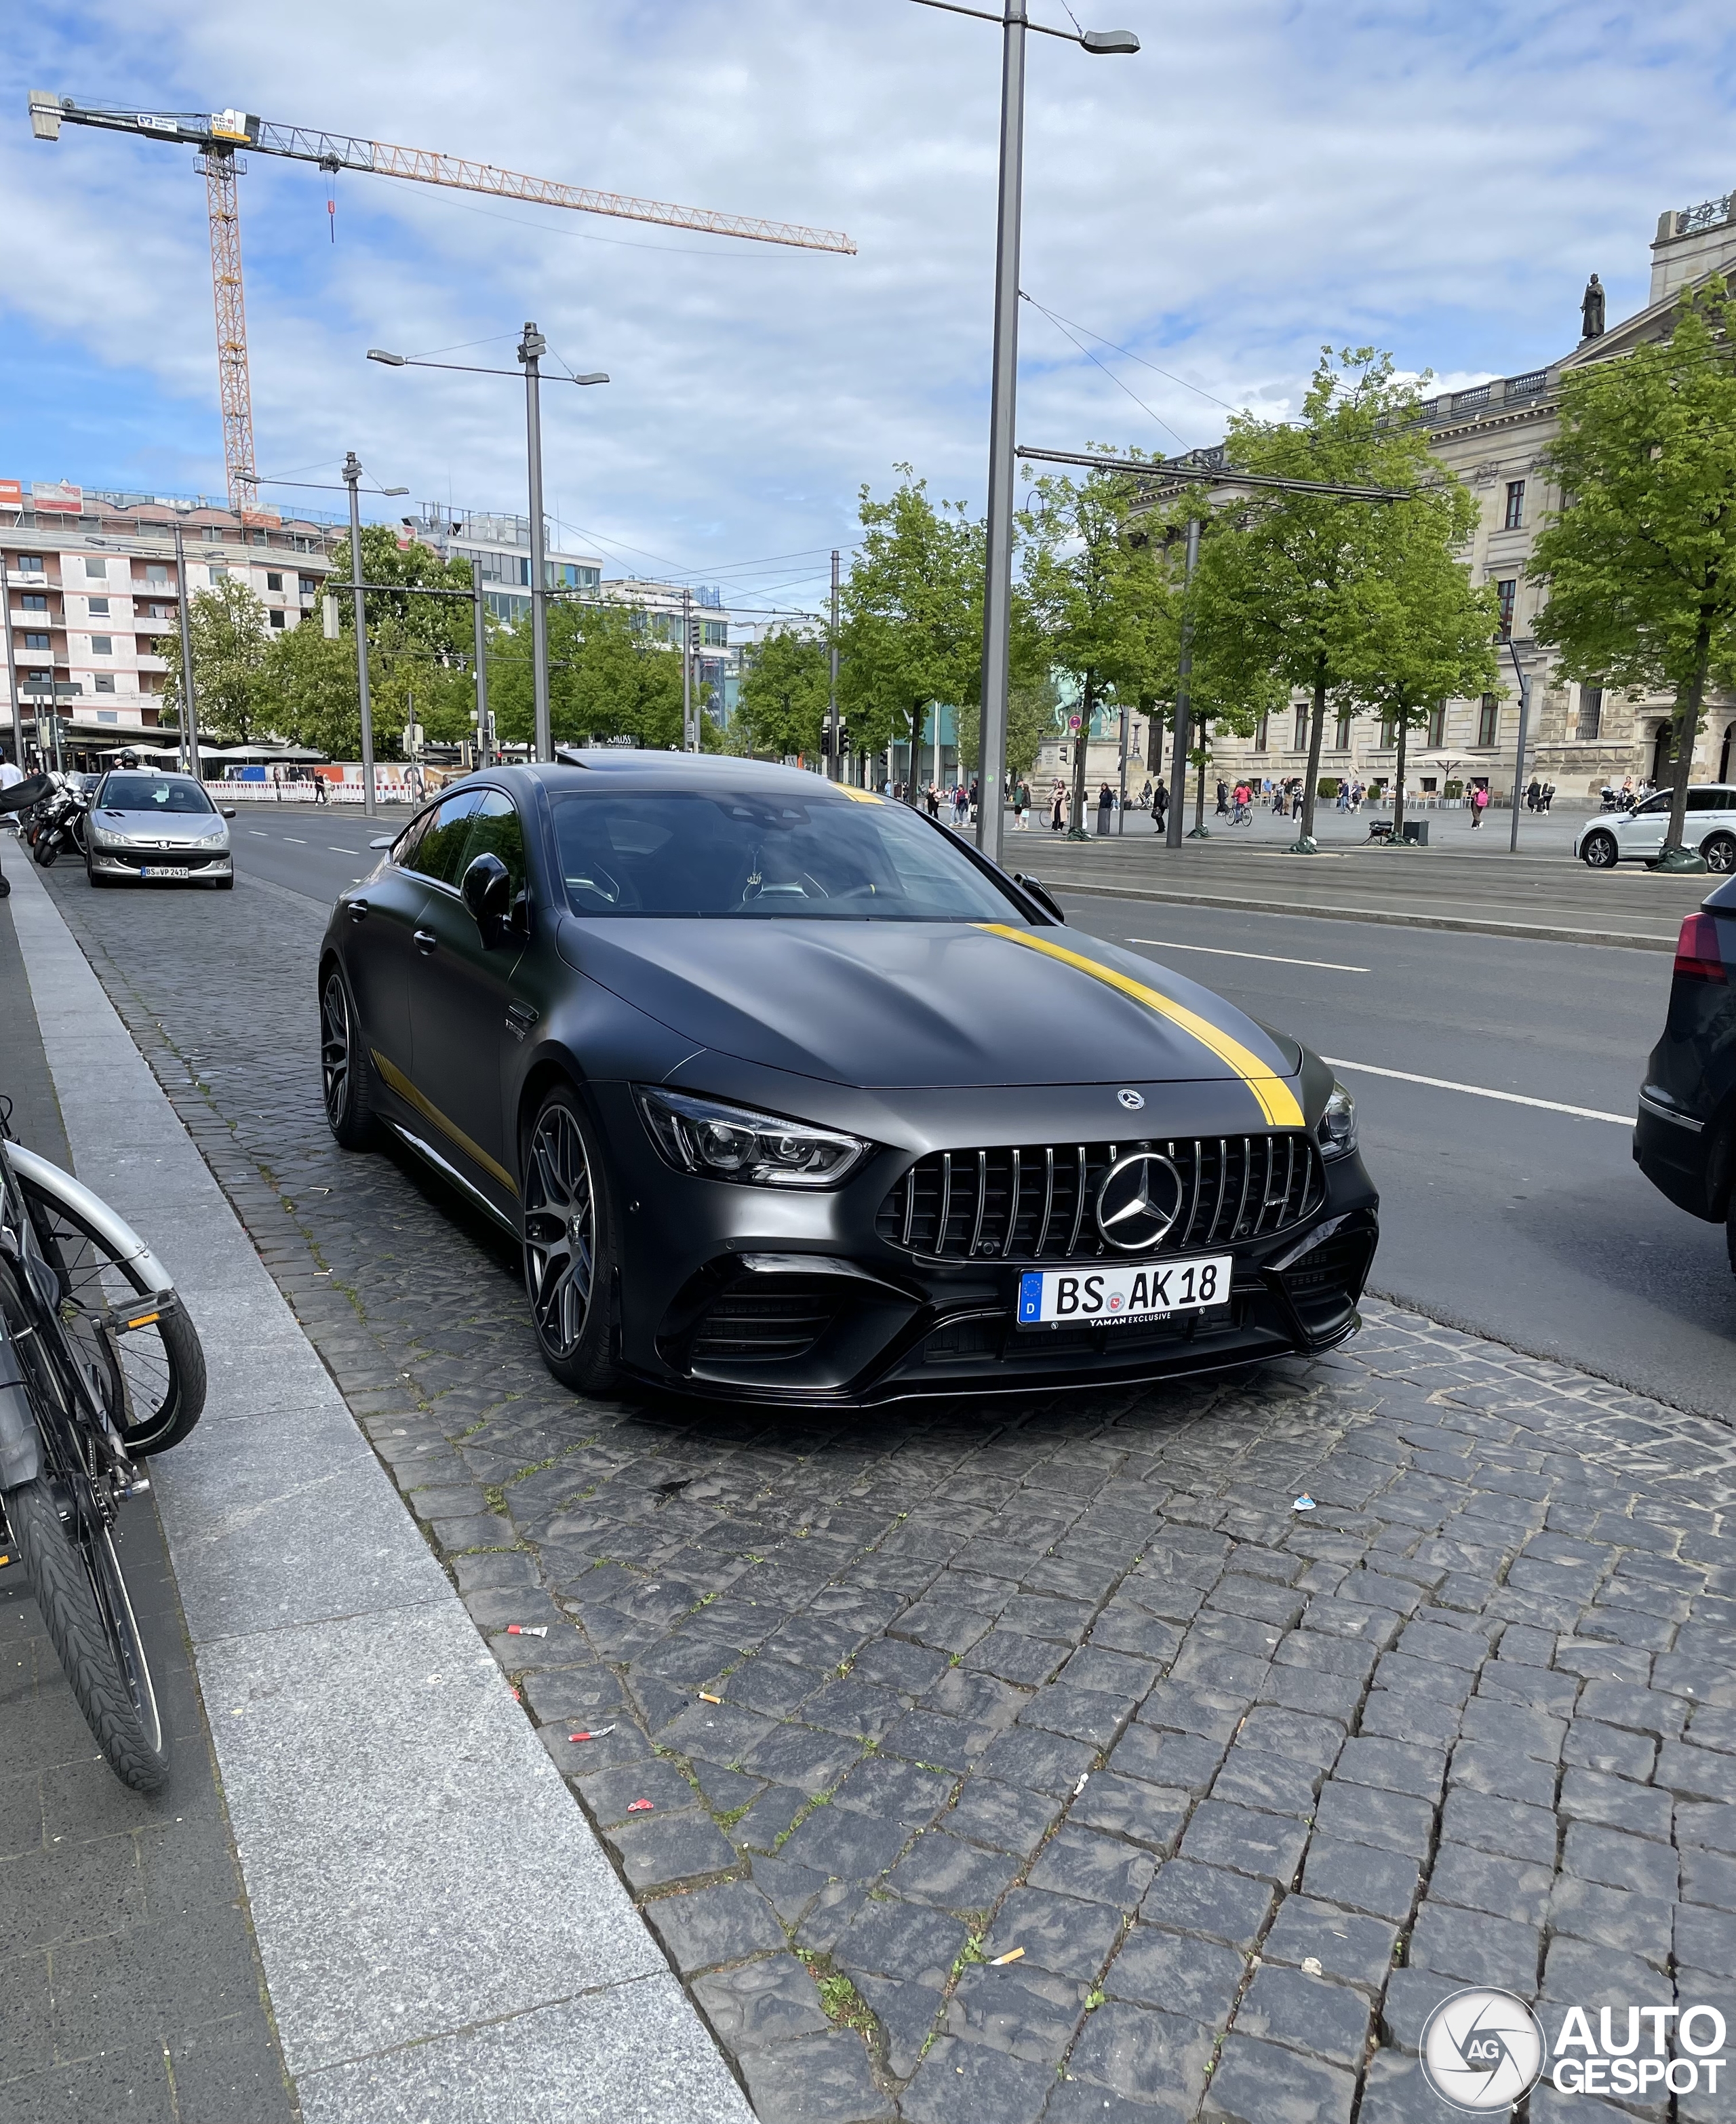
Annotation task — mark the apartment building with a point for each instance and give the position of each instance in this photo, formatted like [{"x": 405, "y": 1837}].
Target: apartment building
[
  {"x": 501, "y": 544},
  {"x": 91, "y": 590}
]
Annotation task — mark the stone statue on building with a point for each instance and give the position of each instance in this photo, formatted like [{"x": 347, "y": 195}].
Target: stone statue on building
[{"x": 1591, "y": 309}]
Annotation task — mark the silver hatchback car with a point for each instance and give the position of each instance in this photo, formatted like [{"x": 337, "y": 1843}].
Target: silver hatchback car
[{"x": 145, "y": 827}]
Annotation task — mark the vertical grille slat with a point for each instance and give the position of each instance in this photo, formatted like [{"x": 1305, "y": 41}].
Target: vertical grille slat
[{"x": 990, "y": 1203}]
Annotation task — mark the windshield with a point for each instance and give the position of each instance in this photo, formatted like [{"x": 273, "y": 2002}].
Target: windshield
[
  {"x": 682, "y": 852},
  {"x": 152, "y": 792}
]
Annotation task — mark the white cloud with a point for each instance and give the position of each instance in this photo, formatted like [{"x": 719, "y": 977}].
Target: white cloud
[{"x": 1267, "y": 175}]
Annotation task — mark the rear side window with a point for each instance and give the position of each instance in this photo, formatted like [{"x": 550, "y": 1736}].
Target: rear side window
[
  {"x": 440, "y": 846},
  {"x": 1711, "y": 800}
]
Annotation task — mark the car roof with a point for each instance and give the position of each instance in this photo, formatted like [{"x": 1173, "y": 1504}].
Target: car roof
[{"x": 621, "y": 767}]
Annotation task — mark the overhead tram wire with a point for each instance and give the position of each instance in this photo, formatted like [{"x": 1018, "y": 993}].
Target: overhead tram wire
[
  {"x": 1055, "y": 317},
  {"x": 1108, "y": 372}
]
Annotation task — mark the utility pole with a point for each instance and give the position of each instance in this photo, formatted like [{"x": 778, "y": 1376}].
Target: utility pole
[
  {"x": 837, "y": 766},
  {"x": 1121, "y": 806},
  {"x": 188, "y": 704},
  {"x": 481, "y": 656},
  {"x": 689, "y": 732},
  {"x": 532, "y": 348},
  {"x": 1184, "y": 705},
  {"x": 1518, "y": 768},
  {"x": 11, "y": 669},
  {"x": 352, "y": 480}
]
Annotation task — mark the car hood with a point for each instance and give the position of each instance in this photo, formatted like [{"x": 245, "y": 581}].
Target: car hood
[
  {"x": 177, "y": 826},
  {"x": 886, "y": 1004}
]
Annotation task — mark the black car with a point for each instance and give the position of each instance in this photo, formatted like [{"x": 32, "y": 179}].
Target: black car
[
  {"x": 1686, "y": 1127},
  {"x": 790, "y": 1095}
]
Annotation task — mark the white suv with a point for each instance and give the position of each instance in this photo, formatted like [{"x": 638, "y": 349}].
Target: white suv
[{"x": 1637, "y": 836}]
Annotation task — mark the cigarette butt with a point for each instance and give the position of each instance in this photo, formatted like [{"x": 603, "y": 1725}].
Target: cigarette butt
[
  {"x": 526, "y": 1630},
  {"x": 1012, "y": 1954},
  {"x": 638, "y": 1807},
  {"x": 1085, "y": 1779},
  {"x": 707, "y": 1697},
  {"x": 597, "y": 1735},
  {"x": 516, "y": 1697}
]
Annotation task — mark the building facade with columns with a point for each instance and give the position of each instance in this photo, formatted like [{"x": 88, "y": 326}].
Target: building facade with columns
[{"x": 1494, "y": 437}]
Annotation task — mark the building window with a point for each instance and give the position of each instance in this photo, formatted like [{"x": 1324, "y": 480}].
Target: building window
[
  {"x": 1591, "y": 714},
  {"x": 29, "y": 564},
  {"x": 97, "y": 571},
  {"x": 1389, "y": 733},
  {"x": 1515, "y": 519},
  {"x": 37, "y": 642},
  {"x": 310, "y": 586},
  {"x": 714, "y": 633},
  {"x": 99, "y": 608},
  {"x": 1263, "y": 733},
  {"x": 102, "y": 644},
  {"x": 1507, "y": 592},
  {"x": 1437, "y": 727},
  {"x": 273, "y": 580},
  {"x": 157, "y": 572},
  {"x": 277, "y": 619},
  {"x": 1489, "y": 720},
  {"x": 1302, "y": 731},
  {"x": 1430, "y": 784},
  {"x": 104, "y": 682},
  {"x": 34, "y": 601},
  {"x": 1342, "y": 741},
  {"x": 218, "y": 570},
  {"x": 211, "y": 533}
]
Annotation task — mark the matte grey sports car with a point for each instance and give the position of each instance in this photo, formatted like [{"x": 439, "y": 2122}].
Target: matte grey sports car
[{"x": 789, "y": 1095}]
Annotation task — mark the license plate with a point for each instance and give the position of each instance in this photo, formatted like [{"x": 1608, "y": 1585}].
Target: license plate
[
  {"x": 162, "y": 870},
  {"x": 1100, "y": 1297}
]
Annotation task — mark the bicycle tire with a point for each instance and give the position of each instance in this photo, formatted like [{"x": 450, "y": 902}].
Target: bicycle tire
[
  {"x": 153, "y": 1378},
  {"x": 101, "y": 1654}
]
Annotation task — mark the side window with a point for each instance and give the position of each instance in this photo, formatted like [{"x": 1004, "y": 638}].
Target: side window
[
  {"x": 403, "y": 850},
  {"x": 1651, "y": 807},
  {"x": 495, "y": 830},
  {"x": 1709, "y": 800},
  {"x": 437, "y": 852}
]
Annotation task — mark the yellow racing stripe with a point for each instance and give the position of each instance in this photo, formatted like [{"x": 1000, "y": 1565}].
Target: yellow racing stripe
[
  {"x": 858, "y": 796},
  {"x": 1278, "y": 1102}
]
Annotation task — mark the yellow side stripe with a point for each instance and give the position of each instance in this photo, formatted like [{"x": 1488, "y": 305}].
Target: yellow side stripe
[
  {"x": 1278, "y": 1102},
  {"x": 858, "y": 796},
  {"x": 425, "y": 1107}
]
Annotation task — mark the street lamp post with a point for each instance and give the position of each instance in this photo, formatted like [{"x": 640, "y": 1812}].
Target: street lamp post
[
  {"x": 483, "y": 747},
  {"x": 1003, "y": 397},
  {"x": 11, "y": 669},
  {"x": 1172, "y": 832},
  {"x": 689, "y": 728},
  {"x": 189, "y": 702},
  {"x": 352, "y": 480},
  {"x": 836, "y": 769},
  {"x": 1518, "y": 770}
]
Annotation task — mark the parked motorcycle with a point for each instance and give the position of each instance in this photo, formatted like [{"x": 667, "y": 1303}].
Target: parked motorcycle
[{"x": 60, "y": 823}]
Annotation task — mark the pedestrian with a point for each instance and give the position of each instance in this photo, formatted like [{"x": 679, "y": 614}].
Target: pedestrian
[
  {"x": 1479, "y": 804},
  {"x": 1534, "y": 796},
  {"x": 1358, "y": 792},
  {"x": 932, "y": 799},
  {"x": 10, "y": 777},
  {"x": 1160, "y": 803},
  {"x": 1224, "y": 800},
  {"x": 1548, "y": 797},
  {"x": 976, "y": 800},
  {"x": 1105, "y": 808},
  {"x": 1057, "y": 798},
  {"x": 1020, "y": 804}
]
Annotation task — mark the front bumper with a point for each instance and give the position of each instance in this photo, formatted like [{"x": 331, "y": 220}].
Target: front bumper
[
  {"x": 758, "y": 1294},
  {"x": 198, "y": 863}
]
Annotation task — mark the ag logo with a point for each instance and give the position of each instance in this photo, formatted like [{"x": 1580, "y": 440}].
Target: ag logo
[
  {"x": 1137, "y": 1200},
  {"x": 1482, "y": 2050}
]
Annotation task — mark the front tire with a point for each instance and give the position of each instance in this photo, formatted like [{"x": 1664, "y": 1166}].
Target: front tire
[
  {"x": 570, "y": 1253},
  {"x": 1720, "y": 853},
  {"x": 1599, "y": 851},
  {"x": 83, "y": 1601},
  {"x": 346, "y": 1073}
]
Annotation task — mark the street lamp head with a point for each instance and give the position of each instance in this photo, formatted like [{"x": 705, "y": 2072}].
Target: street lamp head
[
  {"x": 394, "y": 489},
  {"x": 600, "y": 376},
  {"x": 1107, "y": 42},
  {"x": 391, "y": 360}
]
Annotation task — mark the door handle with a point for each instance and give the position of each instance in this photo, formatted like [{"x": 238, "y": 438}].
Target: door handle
[
  {"x": 359, "y": 910},
  {"x": 425, "y": 940}
]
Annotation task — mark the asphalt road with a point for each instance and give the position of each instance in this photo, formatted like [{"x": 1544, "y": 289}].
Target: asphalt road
[
  {"x": 1509, "y": 1220},
  {"x": 1530, "y": 1225}
]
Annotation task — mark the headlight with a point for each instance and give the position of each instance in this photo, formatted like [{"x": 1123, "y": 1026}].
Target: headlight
[
  {"x": 1335, "y": 1130},
  {"x": 732, "y": 1143}
]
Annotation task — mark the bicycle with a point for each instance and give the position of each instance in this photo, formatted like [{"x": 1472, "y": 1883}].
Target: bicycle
[{"x": 99, "y": 1367}]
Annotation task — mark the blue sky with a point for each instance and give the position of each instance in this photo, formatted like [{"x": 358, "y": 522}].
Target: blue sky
[{"x": 1267, "y": 175}]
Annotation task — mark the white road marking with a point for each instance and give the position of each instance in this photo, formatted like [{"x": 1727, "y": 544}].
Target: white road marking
[
  {"x": 299, "y": 843},
  {"x": 1271, "y": 958},
  {"x": 337, "y": 851},
  {"x": 258, "y": 834},
  {"x": 1482, "y": 1091}
]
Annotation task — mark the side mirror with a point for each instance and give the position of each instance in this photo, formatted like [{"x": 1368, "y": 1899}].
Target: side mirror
[
  {"x": 228, "y": 810},
  {"x": 1039, "y": 892},
  {"x": 383, "y": 841},
  {"x": 487, "y": 889}
]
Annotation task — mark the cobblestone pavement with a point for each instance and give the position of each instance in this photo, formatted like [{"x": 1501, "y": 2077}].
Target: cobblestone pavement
[{"x": 1245, "y": 1789}]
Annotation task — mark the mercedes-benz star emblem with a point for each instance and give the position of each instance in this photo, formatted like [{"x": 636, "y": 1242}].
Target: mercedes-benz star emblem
[
  {"x": 1137, "y": 1200},
  {"x": 1133, "y": 1101}
]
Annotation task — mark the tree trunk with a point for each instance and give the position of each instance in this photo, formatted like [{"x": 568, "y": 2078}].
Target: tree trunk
[
  {"x": 917, "y": 717},
  {"x": 1316, "y": 738},
  {"x": 1398, "y": 794},
  {"x": 1689, "y": 700},
  {"x": 1087, "y": 701}
]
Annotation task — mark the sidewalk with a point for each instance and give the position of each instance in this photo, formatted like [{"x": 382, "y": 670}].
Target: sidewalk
[{"x": 441, "y": 1935}]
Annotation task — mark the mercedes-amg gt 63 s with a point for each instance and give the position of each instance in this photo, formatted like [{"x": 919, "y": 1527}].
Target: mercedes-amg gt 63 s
[{"x": 788, "y": 1095}]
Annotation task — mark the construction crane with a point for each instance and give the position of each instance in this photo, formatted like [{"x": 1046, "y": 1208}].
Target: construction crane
[{"x": 219, "y": 136}]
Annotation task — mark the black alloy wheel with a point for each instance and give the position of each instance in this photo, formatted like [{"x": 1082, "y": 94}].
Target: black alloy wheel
[
  {"x": 569, "y": 1249},
  {"x": 1720, "y": 853},
  {"x": 346, "y": 1075},
  {"x": 1600, "y": 851}
]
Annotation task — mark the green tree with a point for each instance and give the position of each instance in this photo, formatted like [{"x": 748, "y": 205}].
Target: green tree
[
  {"x": 911, "y": 630},
  {"x": 1030, "y": 717},
  {"x": 1282, "y": 598},
  {"x": 230, "y": 640},
  {"x": 311, "y": 685},
  {"x": 1427, "y": 636},
  {"x": 608, "y": 677},
  {"x": 785, "y": 686},
  {"x": 1641, "y": 562},
  {"x": 1094, "y": 595}
]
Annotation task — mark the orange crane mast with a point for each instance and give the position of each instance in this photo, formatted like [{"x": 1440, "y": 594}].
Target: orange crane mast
[{"x": 219, "y": 136}]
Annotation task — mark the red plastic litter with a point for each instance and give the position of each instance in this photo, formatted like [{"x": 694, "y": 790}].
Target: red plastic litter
[
  {"x": 638, "y": 1807},
  {"x": 599, "y": 1733},
  {"x": 526, "y": 1630}
]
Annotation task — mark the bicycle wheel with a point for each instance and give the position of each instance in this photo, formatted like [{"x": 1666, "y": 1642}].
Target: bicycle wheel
[
  {"x": 144, "y": 1360},
  {"x": 77, "y": 1585}
]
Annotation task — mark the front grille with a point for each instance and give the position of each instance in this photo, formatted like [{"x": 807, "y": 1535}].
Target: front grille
[
  {"x": 763, "y": 1325},
  {"x": 1034, "y": 1202},
  {"x": 152, "y": 859}
]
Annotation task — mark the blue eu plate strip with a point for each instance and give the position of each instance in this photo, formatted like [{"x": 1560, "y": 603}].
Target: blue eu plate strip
[{"x": 1031, "y": 1295}]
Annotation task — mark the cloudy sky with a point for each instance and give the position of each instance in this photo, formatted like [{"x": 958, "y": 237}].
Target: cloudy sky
[{"x": 1268, "y": 175}]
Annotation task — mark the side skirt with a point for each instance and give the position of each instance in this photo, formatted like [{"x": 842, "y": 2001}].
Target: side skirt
[{"x": 448, "y": 1171}]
